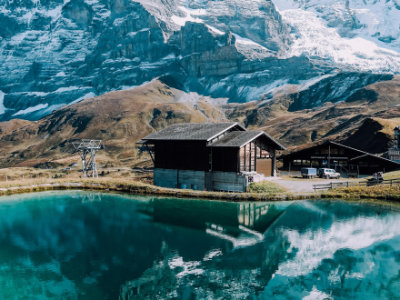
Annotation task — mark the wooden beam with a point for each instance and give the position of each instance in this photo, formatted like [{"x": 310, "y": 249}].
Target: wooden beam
[
  {"x": 250, "y": 157},
  {"x": 148, "y": 150},
  {"x": 273, "y": 163},
  {"x": 238, "y": 162},
  {"x": 255, "y": 157},
  {"x": 245, "y": 157}
]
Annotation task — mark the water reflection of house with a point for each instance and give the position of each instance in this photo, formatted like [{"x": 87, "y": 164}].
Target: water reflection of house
[
  {"x": 241, "y": 224},
  {"x": 246, "y": 252},
  {"x": 210, "y": 156}
]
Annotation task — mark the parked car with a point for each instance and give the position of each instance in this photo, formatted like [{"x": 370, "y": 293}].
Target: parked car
[
  {"x": 328, "y": 173},
  {"x": 308, "y": 172}
]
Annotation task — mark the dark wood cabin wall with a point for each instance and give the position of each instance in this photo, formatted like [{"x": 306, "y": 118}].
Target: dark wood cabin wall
[
  {"x": 185, "y": 155},
  {"x": 225, "y": 159}
]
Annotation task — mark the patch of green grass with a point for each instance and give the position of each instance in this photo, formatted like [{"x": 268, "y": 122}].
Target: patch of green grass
[{"x": 265, "y": 187}]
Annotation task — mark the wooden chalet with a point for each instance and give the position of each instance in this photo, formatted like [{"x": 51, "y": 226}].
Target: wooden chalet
[
  {"x": 342, "y": 158},
  {"x": 211, "y": 156}
]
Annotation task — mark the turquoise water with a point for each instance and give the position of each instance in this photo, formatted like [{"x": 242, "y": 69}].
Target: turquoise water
[{"x": 81, "y": 245}]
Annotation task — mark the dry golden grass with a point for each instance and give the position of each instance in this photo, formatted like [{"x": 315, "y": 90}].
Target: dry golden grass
[
  {"x": 380, "y": 192},
  {"x": 392, "y": 175},
  {"x": 21, "y": 175},
  {"x": 387, "y": 176},
  {"x": 131, "y": 186},
  {"x": 388, "y": 125}
]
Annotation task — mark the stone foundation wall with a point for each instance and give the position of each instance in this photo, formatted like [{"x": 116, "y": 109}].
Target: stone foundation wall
[{"x": 200, "y": 180}]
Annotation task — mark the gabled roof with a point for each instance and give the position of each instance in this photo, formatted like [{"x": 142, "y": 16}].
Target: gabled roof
[
  {"x": 347, "y": 147},
  {"x": 192, "y": 131},
  {"x": 375, "y": 157},
  {"x": 305, "y": 150},
  {"x": 238, "y": 139}
]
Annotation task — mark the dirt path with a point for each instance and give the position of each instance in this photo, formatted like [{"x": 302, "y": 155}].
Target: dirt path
[{"x": 303, "y": 185}]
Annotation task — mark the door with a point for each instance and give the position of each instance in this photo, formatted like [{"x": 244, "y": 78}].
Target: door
[{"x": 264, "y": 166}]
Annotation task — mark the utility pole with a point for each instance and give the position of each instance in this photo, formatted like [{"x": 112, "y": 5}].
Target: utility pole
[{"x": 87, "y": 151}]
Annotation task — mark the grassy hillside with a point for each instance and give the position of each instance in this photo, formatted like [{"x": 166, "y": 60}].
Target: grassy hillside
[{"x": 121, "y": 118}]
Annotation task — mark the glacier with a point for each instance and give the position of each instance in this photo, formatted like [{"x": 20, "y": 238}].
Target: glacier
[
  {"x": 315, "y": 38},
  {"x": 377, "y": 21}
]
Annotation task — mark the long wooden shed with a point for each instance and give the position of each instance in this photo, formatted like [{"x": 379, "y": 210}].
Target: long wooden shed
[{"x": 342, "y": 158}]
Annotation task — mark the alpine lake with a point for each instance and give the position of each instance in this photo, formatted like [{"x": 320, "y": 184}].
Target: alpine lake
[{"x": 87, "y": 245}]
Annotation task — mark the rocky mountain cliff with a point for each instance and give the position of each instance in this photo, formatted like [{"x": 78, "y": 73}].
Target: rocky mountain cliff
[{"x": 54, "y": 53}]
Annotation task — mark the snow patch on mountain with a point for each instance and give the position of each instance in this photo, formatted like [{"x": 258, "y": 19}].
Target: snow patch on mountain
[
  {"x": 377, "y": 21},
  {"x": 315, "y": 39},
  {"x": 188, "y": 16},
  {"x": 54, "y": 107},
  {"x": 31, "y": 109},
  {"x": 251, "y": 49},
  {"x": 86, "y": 96},
  {"x": 215, "y": 30},
  {"x": 2, "y": 107}
]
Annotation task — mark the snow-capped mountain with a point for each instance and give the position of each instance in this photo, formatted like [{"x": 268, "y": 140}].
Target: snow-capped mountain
[{"x": 54, "y": 53}]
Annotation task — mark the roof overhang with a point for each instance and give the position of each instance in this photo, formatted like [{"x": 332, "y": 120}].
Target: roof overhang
[
  {"x": 240, "y": 142},
  {"x": 164, "y": 135},
  {"x": 226, "y": 129}
]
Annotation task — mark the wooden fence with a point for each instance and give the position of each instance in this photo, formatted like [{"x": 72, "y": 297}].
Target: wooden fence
[{"x": 333, "y": 185}]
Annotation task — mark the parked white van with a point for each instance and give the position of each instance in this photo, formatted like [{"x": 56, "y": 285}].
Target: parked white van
[{"x": 328, "y": 173}]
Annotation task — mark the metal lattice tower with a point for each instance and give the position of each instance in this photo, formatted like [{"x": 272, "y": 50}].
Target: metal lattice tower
[{"x": 87, "y": 151}]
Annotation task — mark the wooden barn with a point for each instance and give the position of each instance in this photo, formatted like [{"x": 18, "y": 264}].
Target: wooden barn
[
  {"x": 211, "y": 156},
  {"x": 342, "y": 158}
]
